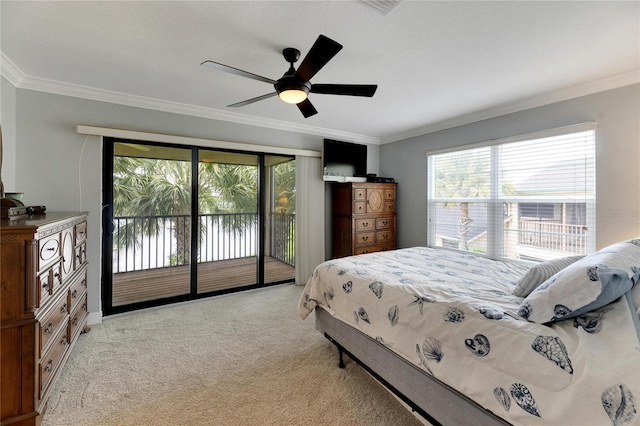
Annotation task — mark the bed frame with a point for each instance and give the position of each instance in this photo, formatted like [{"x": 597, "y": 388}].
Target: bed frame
[{"x": 438, "y": 403}]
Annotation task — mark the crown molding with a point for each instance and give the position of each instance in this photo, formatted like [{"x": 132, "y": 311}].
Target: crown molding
[
  {"x": 22, "y": 81},
  {"x": 10, "y": 71},
  {"x": 609, "y": 83}
]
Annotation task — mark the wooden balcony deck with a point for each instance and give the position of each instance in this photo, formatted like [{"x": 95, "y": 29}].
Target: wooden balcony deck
[{"x": 139, "y": 286}]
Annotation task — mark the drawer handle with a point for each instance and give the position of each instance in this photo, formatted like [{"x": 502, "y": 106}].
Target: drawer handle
[
  {"x": 78, "y": 256},
  {"x": 51, "y": 249},
  {"x": 57, "y": 275},
  {"x": 75, "y": 322},
  {"x": 84, "y": 283},
  {"x": 45, "y": 286},
  {"x": 74, "y": 294},
  {"x": 63, "y": 310},
  {"x": 49, "y": 366},
  {"x": 64, "y": 341},
  {"x": 384, "y": 235},
  {"x": 365, "y": 225},
  {"x": 365, "y": 238},
  {"x": 49, "y": 328},
  {"x": 84, "y": 307},
  {"x": 384, "y": 222}
]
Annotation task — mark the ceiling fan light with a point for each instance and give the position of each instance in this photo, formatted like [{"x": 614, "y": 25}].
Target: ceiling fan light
[
  {"x": 291, "y": 90},
  {"x": 293, "y": 96}
]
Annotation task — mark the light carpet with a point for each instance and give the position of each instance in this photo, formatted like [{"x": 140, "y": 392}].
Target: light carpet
[{"x": 241, "y": 359}]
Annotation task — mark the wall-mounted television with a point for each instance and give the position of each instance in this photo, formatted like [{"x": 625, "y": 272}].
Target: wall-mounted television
[{"x": 343, "y": 161}]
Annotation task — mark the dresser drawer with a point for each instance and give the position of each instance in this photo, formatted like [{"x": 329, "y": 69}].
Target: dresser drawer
[
  {"x": 373, "y": 248},
  {"x": 48, "y": 250},
  {"x": 360, "y": 207},
  {"x": 383, "y": 237},
  {"x": 68, "y": 253},
  {"x": 365, "y": 238},
  {"x": 78, "y": 317},
  {"x": 49, "y": 282},
  {"x": 360, "y": 194},
  {"x": 77, "y": 290},
  {"x": 45, "y": 285},
  {"x": 50, "y": 361},
  {"x": 389, "y": 194},
  {"x": 365, "y": 224},
  {"x": 389, "y": 206},
  {"x": 51, "y": 323},
  {"x": 81, "y": 255},
  {"x": 384, "y": 223},
  {"x": 81, "y": 232}
]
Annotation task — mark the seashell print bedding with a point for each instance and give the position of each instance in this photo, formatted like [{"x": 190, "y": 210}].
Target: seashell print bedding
[{"x": 453, "y": 315}]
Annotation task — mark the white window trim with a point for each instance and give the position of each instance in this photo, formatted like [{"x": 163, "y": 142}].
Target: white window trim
[
  {"x": 493, "y": 250},
  {"x": 558, "y": 131}
]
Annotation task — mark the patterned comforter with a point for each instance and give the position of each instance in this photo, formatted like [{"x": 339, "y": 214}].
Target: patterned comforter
[{"x": 454, "y": 316}]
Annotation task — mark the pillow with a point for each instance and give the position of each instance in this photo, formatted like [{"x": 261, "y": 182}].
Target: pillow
[
  {"x": 587, "y": 284},
  {"x": 541, "y": 272}
]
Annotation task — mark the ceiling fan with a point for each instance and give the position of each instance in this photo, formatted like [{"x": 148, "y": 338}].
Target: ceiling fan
[{"x": 294, "y": 86}]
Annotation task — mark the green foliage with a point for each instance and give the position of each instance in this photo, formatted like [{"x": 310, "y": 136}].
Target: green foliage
[
  {"x": 154, "y": 187},
  {"x": 466, "y": 176},
  {"x": 458, "y": 176},
  {"x": 285, "y": 187},
  {"x": 227, "y": 188}
]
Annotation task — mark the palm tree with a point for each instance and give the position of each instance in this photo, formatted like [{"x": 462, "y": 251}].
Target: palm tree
[
  {"x": 152, "y": 187},
  {"x": 284, "y": 209},
  {"x": 460, "y": 175},
  {"x": 285, "y": 187}
]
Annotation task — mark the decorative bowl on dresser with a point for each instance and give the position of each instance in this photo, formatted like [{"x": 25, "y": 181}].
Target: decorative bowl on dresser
[
  {"x": 363, "y": 218},
  {"x": 43, "y": 307}
]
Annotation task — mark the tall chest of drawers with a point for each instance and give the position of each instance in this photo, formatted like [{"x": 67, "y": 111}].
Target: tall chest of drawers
[
  {"x": 43, "y": 307},
  {"x": 363, "y": 218}
]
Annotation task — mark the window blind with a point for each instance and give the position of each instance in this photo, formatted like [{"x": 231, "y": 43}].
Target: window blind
[{"x": 522, "y": 198}]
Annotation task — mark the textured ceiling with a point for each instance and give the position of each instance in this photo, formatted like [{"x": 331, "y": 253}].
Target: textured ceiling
[{"x": 432, "y": 61}]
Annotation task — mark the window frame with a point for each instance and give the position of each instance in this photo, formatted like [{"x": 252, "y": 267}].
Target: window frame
[{"x": 495, "y": 201}]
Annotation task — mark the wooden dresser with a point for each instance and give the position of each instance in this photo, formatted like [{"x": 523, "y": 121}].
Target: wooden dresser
[
  {"x": 43, "y": 307},
  {"x": 363, "y": 218}
]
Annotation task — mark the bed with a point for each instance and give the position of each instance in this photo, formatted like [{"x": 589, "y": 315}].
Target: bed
[{"x": 445, "y": 332}]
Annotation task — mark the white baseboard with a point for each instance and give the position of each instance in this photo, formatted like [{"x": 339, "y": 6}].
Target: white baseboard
[{"x": 94, "y": 318}]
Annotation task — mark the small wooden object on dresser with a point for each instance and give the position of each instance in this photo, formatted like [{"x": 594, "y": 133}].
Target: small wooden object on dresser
[
  {"x": 363, "y": 218},
  {"x": 43, "y": 305}
]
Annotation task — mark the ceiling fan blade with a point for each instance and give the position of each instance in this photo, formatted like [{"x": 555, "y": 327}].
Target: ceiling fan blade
[
  {"x": 236, "y": 71},
  {"x": 252, "y": 100},
  {"x": 306, "y": 108},
  {"x": 345, "y": 89},
  {"x": 320, "y": 53}
]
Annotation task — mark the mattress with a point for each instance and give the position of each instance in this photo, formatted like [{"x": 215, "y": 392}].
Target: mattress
[{"x": 453, "y": 315}]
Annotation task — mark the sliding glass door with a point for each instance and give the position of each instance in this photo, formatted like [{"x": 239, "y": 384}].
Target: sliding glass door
[
  {"x": 151, "y": 232},
  {"x": 187, "y": 222},
  {"x": 228, "y": 220},
  {"x": 280, "y": 217}
]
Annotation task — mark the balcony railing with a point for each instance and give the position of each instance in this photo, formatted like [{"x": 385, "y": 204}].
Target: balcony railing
[
  {"x": 553, "y": 235},
  {"x": 151, "y": 242},
  {"x": 283, "y": 237}
]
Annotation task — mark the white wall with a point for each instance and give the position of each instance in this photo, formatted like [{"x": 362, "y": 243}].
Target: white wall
[
  {"x": 8, "y": 121},
  {"x": 40, "y": 137},
  {"x": 617, "y": 113},
  {"x": 48, "y": 168}
]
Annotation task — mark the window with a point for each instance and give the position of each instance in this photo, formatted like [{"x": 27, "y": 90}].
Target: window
[{"x": 530, "y": 197}]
